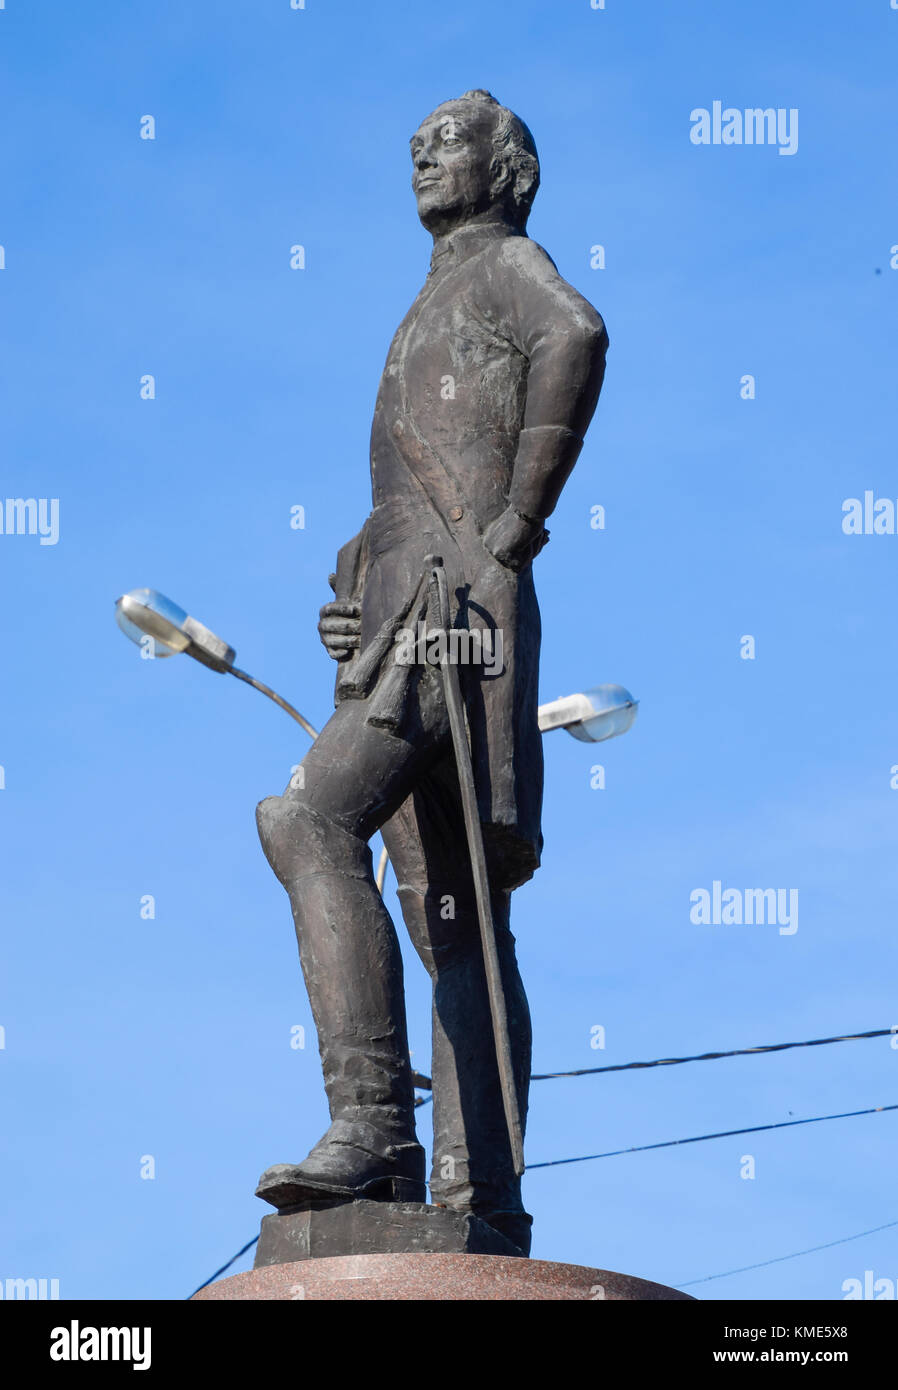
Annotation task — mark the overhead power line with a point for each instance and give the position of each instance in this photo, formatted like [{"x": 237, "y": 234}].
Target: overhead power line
[
  {"x": 811, "y": 1250},
  {"x": 723, "y": 1134},
  {"x": 242, "y": 1251},
  {"x": 715, "y": 1056},
  {"x": 424, "y": 1082}
]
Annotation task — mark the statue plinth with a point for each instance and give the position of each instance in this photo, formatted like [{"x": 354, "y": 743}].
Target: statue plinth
[
  {"x": 342, "y": 1228},
  {"x": 434, "y": 1277}
]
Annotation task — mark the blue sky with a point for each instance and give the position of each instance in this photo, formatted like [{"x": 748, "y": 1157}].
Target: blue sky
[{"x": 171, "y": 1037}]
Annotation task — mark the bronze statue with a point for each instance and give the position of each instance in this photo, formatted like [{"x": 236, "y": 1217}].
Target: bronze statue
[{"x": 488, "y": 389}]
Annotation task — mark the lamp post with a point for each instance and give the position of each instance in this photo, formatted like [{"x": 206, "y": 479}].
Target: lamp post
[
  {"x": 604, "y": 712},
  {"x": 146, "y": 613}
]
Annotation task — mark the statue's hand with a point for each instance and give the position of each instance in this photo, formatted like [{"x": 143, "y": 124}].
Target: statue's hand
[
  {"x": 513, "y": 539},
  {"x": 339, "y": 627}
]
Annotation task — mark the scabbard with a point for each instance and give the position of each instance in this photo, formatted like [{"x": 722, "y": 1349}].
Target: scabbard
[{"x": 498, "y": 1013}]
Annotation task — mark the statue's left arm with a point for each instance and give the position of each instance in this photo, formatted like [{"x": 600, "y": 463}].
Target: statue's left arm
[{"x": 564, "y": 341}]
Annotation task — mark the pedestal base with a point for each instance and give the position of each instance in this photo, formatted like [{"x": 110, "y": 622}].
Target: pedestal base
[
  {"x": 430, "y": 1278},
  {"x": 375, "y": 1228}
]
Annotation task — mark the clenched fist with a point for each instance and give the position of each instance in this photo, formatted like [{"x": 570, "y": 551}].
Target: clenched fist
[
  {"x": 513, "y": 539},
  {"x": 340, "y": 627}
]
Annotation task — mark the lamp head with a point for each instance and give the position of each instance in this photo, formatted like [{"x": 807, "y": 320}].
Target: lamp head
[
  {"x": 605, "y": 711},
  {"x": 146, "y": 613}
]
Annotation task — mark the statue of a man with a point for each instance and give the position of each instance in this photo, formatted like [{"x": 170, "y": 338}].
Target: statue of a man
[{"x": 489, "y": 386}]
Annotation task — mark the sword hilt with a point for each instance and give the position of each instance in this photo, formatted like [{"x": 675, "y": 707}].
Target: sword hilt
[{"x": 439, "y": 588}]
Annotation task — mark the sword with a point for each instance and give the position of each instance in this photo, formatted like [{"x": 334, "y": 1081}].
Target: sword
[{"x": 455, "y": 706}]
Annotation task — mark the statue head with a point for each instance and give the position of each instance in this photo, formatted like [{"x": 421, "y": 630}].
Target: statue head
[{"x": 475, "y": 161}]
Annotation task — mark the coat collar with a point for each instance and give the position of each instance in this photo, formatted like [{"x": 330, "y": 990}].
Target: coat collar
[{"x": 454, "y": 248}]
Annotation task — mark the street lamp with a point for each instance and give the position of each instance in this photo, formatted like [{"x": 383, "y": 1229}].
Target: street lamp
[
  {"x": 144, "y": 613},
  {"x": 605, "y": 711}
]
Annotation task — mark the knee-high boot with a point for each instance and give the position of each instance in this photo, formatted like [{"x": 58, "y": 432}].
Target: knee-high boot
[
  {"x": 353, "y": 972},
  {"x": 472, "y": 1164}
]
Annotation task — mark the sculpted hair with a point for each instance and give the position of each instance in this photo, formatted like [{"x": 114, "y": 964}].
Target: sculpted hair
[{"x": 515, "y": 146}]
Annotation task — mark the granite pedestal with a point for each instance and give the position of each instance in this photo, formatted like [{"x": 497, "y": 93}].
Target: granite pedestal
[{"x": 434, "y": 1278}]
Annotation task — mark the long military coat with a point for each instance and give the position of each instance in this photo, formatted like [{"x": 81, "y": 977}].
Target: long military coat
[{"x": 497, "y": 348}]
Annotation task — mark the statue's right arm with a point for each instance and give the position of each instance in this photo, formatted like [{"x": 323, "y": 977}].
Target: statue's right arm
[{"x": 339, "y": 624}]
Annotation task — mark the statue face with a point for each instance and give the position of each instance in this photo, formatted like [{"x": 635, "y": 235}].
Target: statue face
[{"x": 452, "y": 152}]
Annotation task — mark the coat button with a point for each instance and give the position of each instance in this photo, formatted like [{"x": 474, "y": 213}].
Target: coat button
[{"x": 456, "y": 513}]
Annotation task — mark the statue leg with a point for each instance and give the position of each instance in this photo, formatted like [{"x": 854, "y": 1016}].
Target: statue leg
[
  {"x": 315, "y": 838},
  {"x": 472, "y": 1165}
]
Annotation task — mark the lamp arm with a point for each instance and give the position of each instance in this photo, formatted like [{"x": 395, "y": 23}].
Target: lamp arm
[{"x": 273, "y": 695}]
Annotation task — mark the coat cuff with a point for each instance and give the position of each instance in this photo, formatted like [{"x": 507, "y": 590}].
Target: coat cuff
[{"x": 546, "y": 455}]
